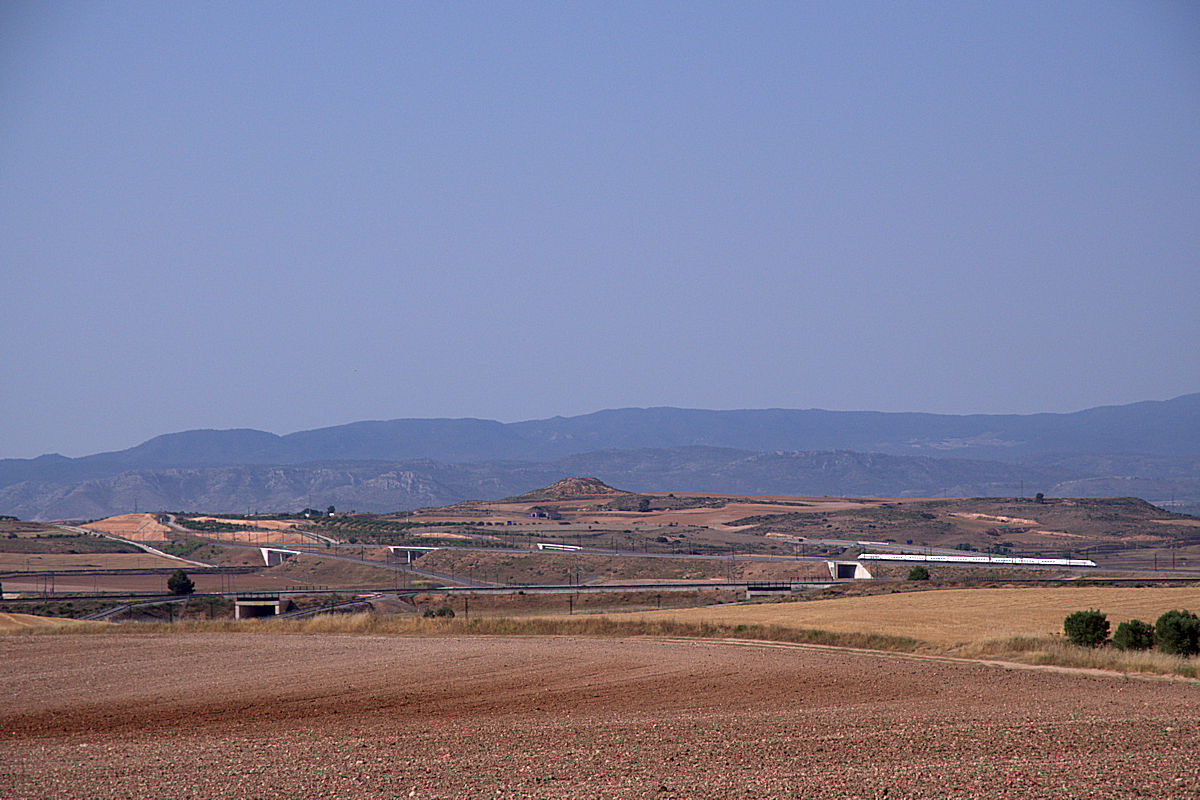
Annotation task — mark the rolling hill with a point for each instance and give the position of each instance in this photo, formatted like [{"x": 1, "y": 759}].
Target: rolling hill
[{"x": 1150, "y": 450}]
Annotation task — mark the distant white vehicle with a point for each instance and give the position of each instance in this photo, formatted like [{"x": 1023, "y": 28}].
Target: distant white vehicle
[{"x": 552, "y": 546}]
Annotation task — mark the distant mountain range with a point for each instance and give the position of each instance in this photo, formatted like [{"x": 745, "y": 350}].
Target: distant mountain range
[{"x": 1150, "y": 450}]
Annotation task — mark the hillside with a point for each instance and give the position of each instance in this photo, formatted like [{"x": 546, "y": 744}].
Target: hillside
[
  {"x": 569, "y": 489},
  {"x": 393, "y": 486},
  {"x": 1122, "y": 533},
  {"x": 1168, "y": 428},
  {"x": 1147, "y": 450}
]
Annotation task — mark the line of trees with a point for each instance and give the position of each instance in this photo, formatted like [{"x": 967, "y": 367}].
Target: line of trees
[{"x": 1175, "y": 632}]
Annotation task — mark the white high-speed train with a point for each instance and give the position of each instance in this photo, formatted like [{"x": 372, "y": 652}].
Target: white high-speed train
[{"x": 982, "y": 560}]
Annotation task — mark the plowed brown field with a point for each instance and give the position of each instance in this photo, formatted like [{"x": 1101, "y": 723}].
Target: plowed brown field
[{"x": 306, "y": 716}]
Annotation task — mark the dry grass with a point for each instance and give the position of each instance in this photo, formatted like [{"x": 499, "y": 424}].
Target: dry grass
[
  {"x": 971, "y": 623},
  {"x": 312, "y": 568},
  {"x": 272, "y": 535},
  {"x": 49, "y": 562},
  {"x": 26, "y": 623},
  {"x": 365, "y": 623},
  {"x": 1059, "y": 652}
]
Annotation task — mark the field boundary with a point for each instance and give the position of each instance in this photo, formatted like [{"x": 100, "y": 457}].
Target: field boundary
[
  {"x": 937, "y": 658},
  {"x": 1016, "y": 653}
]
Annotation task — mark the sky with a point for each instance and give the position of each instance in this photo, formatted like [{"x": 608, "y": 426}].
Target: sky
[{"x": 286, "y": 216}]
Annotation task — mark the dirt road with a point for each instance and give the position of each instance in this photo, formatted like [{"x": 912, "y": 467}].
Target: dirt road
[{"x": 308, "y": 716}]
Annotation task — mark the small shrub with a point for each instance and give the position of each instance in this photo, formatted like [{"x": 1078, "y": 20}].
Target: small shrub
[
  {"x": 1134, "y": 635},
  {"x": 180, "y": 583},
  {"x": 445, "y": 611},
  {"x": 1178, "y": 633},
  {"x": 1086, "y": 628},
  {"x": 918, "y": 573}
]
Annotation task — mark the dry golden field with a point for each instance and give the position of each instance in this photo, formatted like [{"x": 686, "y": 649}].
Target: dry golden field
[
  {"x": 135, "y": 527},
  {"x": 257, "y": 531},
  {"x": 10, "y": 623},
  {"x": 949, "y": 617},
  {"x": 49, "y": 562},
  {"x": 256, "y": 537},
  {"x": 267, "y": 524}
]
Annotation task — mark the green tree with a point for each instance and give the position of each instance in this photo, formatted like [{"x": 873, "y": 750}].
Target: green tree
[
  {"x": 1087, "y": 628},
  {"x": 1178, "y": 632},
  {"x": 180, "y": 583},
  {"x": 918, "y": 573},
  {"x": 1134, "y": 635}
]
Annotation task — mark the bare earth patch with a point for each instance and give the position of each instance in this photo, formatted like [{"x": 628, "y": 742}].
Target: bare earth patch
[
  {"x": 135, "y": 527},
  {"x": 307, "y": 716},
  {"x": 269, "y": 535}
]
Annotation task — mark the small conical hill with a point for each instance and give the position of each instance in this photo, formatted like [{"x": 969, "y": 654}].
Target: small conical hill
[{"x": 570, "y": 489}]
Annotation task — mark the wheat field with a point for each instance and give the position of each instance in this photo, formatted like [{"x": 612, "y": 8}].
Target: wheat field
[{"x": 947, "y": 618}]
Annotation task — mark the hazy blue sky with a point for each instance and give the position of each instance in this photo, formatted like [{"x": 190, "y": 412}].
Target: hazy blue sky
[{"x": 289, "y": 215}]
